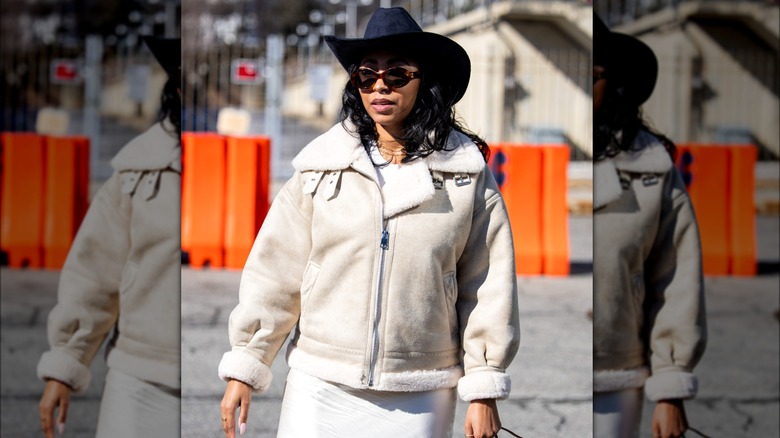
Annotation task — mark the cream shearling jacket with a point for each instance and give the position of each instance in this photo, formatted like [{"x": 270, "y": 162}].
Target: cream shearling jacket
[
  {"x": 648, "y": 309},
  {"x": 123, "y": 272},
  {"x": 404, "y": 292}
]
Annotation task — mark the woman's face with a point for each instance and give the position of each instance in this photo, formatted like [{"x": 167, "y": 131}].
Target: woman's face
[
  {"x": 389, "y": 106},
  {"x": 599, "y": 87}
]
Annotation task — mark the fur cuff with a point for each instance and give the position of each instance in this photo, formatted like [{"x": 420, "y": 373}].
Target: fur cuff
[
  {"x": 671, "y": 385},
  {"x": 618, "y": 380},
  {"x": 61, "y": 366},
  {"x": 484, "y": 385},
  {"x": 246, "y": 368}
]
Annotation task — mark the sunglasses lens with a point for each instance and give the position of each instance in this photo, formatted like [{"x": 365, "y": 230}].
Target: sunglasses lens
[
  {"x": 365, "y": 78},
  {"x": 396, "y": 77}
]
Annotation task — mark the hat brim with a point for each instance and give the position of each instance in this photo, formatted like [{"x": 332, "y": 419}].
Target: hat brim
[
  {"x": 167, "y": 52},
  {"x": 437, "y": 55}
]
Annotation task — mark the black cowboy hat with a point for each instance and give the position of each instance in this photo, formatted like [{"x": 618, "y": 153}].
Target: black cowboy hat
[
  {"x": 167, "y": 52},
  {"x": 626, "y": 60},
  {"x": 393, "y": 29}
]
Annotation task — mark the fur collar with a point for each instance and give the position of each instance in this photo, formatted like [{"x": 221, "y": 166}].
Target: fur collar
[
  {"x": 339, "y": 149},
  {"x": 648, "y": 156},
  {"x": 154, "y": 149}
]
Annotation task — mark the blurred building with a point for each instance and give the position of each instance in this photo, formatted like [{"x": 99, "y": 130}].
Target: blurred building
[{"x": 718, "y": 67}]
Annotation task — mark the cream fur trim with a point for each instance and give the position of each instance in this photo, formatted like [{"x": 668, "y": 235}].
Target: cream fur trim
[
  {"x": 246, "y": 368},
  {"x": 61, "y": 366},
  {"x": 338, "y": 149},
  {"x": 461, "y": 156},
  {"x": 325, "y": 369},
  {"x": 606, "y": 183},
  {"x": 617, "y": 380},
  {"x": 154, "y": 149},
  {"x": 484, "y": 385},
  {"x": 427, "y": 380},
  {"x": 650, "y": 156},
  {"x": 671, "y": 385},
  {"x": 410, "y": 188},
  {"x": 350, "y": 375}
]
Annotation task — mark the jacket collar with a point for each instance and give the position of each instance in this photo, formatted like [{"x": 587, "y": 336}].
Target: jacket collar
[
  {"x": 153, "y": 150},
  {"x": 647, "y": 156},
  {"x": 339, "y": 149}
]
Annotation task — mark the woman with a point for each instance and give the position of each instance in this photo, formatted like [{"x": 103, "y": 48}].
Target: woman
[
  {"x": 390, "y": 254},
  {"x": 122, "y": 273},
  {"x": 649, "y": 324}
]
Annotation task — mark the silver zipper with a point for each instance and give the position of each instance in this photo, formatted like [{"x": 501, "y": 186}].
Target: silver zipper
[{"x": 384, "y": 244}]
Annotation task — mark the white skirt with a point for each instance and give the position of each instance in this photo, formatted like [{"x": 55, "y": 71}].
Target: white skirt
[
  {"x": 617, "y": 414},
  {"x": 132, "y": 408},
  {"x": 314, "y": 408}
]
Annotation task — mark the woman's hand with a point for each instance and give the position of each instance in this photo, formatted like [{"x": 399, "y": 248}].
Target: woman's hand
[
  {"x": 55, "y": 395},
  {"x": 237, "y": 394},
  {"x": 669, "y": 419},
  {"x": 482, "y": 419}
]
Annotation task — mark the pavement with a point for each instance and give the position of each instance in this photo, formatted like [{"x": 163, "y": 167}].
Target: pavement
[{"x": 739, "y": 382}]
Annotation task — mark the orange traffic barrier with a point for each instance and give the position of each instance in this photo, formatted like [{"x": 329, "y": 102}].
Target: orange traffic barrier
[
  {"x": 533, "y": 183},
  {"x": 203, "y": 200},
  {"x": 246, "y": 195},
  {"x": 708, "y": 190},
  {"x": 555, "y": 214},
  {"x": 22, "y": 199},
  {"x": 720, "y": 180},
  {"x": 65, "y": 195},
  {"x": 518, "y": 170},
  {"x": 742, "y": 210}
]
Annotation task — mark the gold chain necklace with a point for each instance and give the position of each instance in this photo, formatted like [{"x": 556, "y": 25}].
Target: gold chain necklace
[{"x": 393, "y": 153}]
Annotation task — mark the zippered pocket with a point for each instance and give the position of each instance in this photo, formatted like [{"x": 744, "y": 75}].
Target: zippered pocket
[
  {"x": 129, "y": 273},
  {"x": 451, "y": 297},
  {"x": 309, "y": 280}
]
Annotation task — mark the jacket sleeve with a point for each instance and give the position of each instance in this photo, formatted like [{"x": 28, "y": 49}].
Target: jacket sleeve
[
  {"x": 675, "y": 290},
  {"x": 87, "y": 297},
  {"x": 487, "y": 297},
  {"x": 269, "y": 293}
]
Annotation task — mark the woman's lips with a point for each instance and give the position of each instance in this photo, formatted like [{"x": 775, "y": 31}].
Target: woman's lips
[{"x": 382, "y": 105}]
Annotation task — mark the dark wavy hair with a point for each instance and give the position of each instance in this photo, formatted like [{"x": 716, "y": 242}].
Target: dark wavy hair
[
  {"x": 426, "y": 128},
  {"x": 618, "y": 114},
  {"x": 170, "y": 105}
]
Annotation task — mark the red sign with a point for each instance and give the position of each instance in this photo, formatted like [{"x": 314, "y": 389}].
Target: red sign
[
  {"x": 65, "y": 71},
  {"x": 245, "y": 71}
]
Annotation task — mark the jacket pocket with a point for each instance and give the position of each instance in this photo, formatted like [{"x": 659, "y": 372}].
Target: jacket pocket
[
  {"x": 638, "y": 292},
  {"x": 128, "y": 277},
  {"x": 451, "y": 297},
  {"x": 309, "y": 280}
]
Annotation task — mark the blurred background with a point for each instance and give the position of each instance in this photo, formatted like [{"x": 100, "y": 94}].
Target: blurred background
[
  {"x": 80, "y": 65},
  {"x": 86, "y": 59},
  {"x": 69, "y": 69},
  {"x": 717, "y": 95}
]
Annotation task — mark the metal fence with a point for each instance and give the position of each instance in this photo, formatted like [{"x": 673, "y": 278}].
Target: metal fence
[
  {"x": 207, "y": 83},
  {"x": 615, "y": 12}
]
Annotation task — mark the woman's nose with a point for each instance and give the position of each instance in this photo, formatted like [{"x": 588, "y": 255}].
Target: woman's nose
[{"x": 380, "y": 86}]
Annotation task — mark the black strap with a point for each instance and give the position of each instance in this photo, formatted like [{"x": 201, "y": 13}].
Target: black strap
[{"x": 510, "y": 432}]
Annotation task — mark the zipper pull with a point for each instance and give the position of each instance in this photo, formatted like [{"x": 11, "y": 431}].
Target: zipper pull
[{"x": 385, "y": 240}]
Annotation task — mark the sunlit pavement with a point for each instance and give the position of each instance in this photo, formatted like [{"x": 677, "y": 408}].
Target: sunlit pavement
[{"x": 551, "y": 375}]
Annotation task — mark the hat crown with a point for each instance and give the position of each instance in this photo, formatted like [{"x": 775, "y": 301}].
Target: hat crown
[{"x": 390, "y": 21}]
